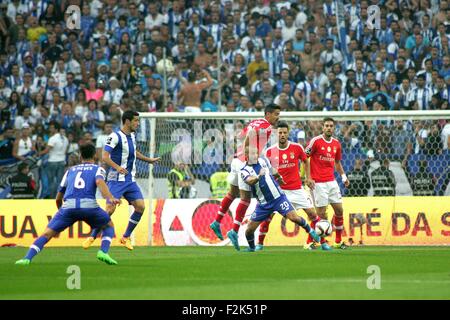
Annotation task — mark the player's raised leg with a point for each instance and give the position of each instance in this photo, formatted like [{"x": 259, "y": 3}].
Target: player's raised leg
[
  {"x": 232, "y": 194},
  {"x": 292, "y": 215}
]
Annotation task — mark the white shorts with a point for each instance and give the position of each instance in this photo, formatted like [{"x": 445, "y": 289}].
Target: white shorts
[
  {"x": 300, "y": 198},
  {"x": 235, "y": 178},
  {"x": 327, "y": 192}
]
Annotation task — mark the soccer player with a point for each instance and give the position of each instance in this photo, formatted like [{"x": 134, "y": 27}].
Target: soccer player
[
  {"x": 256, "y": 133},
  {"x": 78, "y": 188},
  {"x": 285, "y": 157},
  {"x": 258, "y": 173},
  {"x": 120, "y": 155},
  {"x": 325, "y": 154}
]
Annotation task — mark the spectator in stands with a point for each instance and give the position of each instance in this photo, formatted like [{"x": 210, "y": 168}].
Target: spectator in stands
[
  {"x": 433, "y": 144},
  {"x": 23, "y": 146},
  {"x": 445, "y": 135},
  {"x": 359, "y": 180},
  {"x": 383, "y": 180},
  {"x": 56, "y": 149},
  {"x": 7, "y": 143},
  {"x": 190, "y": 94},
  {"x": 101, "y": 139},
  {"x": 22, "y": 184}
]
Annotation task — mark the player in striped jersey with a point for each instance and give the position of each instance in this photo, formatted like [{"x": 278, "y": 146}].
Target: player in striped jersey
[
  {"x": 78, "y": 188},
  {"x": 257, "y": 133},
  {"x": 285, "y": 157},
  {"x": 120, "y": 155},
  {"x": 259, "y": 175}
]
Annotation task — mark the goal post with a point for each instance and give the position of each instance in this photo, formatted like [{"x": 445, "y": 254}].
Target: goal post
[{"x": 410, "y": 143}]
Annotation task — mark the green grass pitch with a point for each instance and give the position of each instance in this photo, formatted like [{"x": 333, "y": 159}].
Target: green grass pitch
[{"x": 223, "y": 273}]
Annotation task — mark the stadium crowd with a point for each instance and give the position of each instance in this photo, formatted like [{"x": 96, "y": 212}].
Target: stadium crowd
[{"x": 61, "y": 87}]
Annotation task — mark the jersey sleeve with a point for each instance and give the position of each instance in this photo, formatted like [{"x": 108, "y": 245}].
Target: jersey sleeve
[
  {"x": 310, "y": 148},
  {"x": 63, "y": 185},
  {"x": 301, "y": 153},
  {"x": 245, "y": 173},
  {"x": 111, "y": 142},
  {"x": 100, "y": 174}
]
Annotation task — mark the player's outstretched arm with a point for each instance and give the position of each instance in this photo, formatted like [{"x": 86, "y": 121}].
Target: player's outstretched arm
[
  {"x": 140, "y": 156},
  {"x": 106, "y": 193}
]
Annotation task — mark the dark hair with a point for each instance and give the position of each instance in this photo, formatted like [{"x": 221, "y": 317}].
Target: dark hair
[
  {"x": 283, "y": 124},
  {"x": 270, "y": 108},
  {"x": 328, "y": 119},
  {"x": 87, "y": 151},
  {"x": 129, "y": 115},
  {"x": 22, "y": 166},
  {"x": 191, "y": 77},
  {"x": 55, "y": 124}
]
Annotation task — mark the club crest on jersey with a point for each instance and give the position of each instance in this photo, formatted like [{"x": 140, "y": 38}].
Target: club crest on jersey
[
  {"x": 292, "y": 155},
  {"x": 334, "y": 149},
  {"x": 285, "y": 156},
  {"x": 329, "y": 149},
  {"x": 323, "y": 148}
]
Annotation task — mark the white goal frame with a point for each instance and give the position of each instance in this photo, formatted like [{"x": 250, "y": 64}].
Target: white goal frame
[{"x": 289, "y": 116}]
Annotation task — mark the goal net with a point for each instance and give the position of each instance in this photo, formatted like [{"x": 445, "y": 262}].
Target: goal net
[
  {"x": 403, "y": 153},
  {"x": 413, "y": 145}
]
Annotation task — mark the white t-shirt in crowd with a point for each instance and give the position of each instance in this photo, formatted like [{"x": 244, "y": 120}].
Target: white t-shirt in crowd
[
  {"x": 59, "y": 146},
  {"x": 101, "y": 141},
  {"x": 445, "y": 134}
]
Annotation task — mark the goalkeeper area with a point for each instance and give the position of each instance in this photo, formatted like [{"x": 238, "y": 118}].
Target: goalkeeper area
[{"x": 212, "y": 273}]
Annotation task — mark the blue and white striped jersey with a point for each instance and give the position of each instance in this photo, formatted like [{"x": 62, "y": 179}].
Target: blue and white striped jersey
[
  {"x": 79, "y": 185},
  {"x": 267, "y": 189},
  {"x": 122, "y": 148}
]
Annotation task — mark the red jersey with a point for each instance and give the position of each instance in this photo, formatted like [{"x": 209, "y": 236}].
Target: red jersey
[
  {"x": 323, "y": 155},
  {"x": 286, "y": 161},
  {"x": 263, "y": 130}
]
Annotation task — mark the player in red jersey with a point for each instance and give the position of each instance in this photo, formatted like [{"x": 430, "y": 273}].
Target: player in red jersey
[
  {"x": 256, "y": 134},
  {"x": 285, "y": 157},
  {"x": 325, "y": 154}
]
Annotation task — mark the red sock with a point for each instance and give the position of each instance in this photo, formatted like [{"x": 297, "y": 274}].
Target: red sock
[
  {"x": 339, "y": 227},
  {"x": 224, "y": 206},
  {"x": 313, "y": 225},
  {"x": 240, "y": 213},
  {"x": 263, "y": 229}
]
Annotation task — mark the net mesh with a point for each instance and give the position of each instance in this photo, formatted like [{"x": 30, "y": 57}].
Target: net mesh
[{"x": 382, "y": 157}]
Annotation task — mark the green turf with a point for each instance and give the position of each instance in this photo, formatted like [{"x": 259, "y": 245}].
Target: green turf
[{"x": 223, "y": 273}]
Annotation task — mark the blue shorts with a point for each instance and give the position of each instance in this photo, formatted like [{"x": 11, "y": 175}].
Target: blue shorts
[
  {"x": 127, "y": 189},
  {"x": 263, "y": 211},
  {"x": 95, "y": 217}
]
